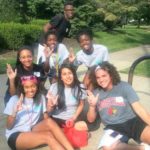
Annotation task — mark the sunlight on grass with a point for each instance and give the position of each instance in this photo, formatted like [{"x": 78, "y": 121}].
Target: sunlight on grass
[
  {"x": 123, "y": 38},
  {"x": 3, "y": 63},
  {"x": 142, "y": 69}
]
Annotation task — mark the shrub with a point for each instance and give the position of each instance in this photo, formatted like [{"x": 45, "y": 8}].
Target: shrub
[{"x": 14, "y": 35}]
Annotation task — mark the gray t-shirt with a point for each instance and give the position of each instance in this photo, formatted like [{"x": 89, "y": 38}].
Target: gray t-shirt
[
  {"x": 70, "y": 100},
  {"x": 27, "y": 117},
  {"x": 99, "y": 55},
  {"x": 114, "y": 106}
]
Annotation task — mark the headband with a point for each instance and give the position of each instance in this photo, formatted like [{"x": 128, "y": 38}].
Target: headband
[
  {"x": 98, "y": 67},
  {"x": 29, "y": 78}
]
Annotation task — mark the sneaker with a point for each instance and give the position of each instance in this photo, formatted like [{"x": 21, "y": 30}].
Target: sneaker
[{"x": 146, "y": 146}]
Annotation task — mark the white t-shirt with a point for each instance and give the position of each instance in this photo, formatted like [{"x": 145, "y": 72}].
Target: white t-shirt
[
  {"x": 70, "y": 101},
  {"x": 27, "y": 117},
  {"x": 100, "y": 54},
  {"x": 61, "y": 55}
]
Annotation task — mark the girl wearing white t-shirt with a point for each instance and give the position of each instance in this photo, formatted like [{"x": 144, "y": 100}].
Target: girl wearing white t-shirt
[
  {"x": 90, "y": 54},
  {"x": 59, "y": 53},
  {"x": 27, "y": 125}
]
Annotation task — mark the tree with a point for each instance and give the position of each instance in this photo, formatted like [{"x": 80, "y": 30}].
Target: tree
[{"x": 9, "y": 11}]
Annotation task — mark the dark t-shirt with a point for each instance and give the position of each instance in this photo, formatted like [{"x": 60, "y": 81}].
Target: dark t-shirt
[
  {"x": 38, "y": 70},
  {"x": 61, "y": 25}
]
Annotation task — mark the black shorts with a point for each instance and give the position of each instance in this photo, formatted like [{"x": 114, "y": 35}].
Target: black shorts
[
  {"x": 60, "y": 122},
  {"x": 132, "y": 128},
  {"x": 12, "y": 140}
]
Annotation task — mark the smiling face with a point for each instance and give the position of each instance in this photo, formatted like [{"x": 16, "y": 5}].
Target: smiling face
[
  {"x": 67, "y": 77},
  {"x": 103, "y": 79},
  {"x": 51, "y": 41},
  {"x": 26, "y": 58},
  {"x": 85, "y": 42},
  {"x": 68, "y": 12},
  {"x": 30, "y": 88}
]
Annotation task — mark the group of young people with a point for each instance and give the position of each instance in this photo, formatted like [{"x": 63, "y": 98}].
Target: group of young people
[{"x": 52, "y": 116}]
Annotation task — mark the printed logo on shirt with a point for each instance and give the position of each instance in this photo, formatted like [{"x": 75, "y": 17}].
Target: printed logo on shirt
[{"x": 111, "y": 101}]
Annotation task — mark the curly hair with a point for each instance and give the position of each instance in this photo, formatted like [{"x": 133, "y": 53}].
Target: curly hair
[{"x": 110, "y": 68}]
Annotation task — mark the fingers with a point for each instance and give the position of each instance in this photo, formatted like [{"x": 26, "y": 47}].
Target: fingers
[
  {"x": 9, "y": 68},
  {"x": 21, "y": 97},
  {"x": 89, "y": 93},
  {"x": 52, "y": 99},
  {"x": 71, "y": 50},
  {"x": 55, "y": 100},
  {"x": 15, "y": 72}
]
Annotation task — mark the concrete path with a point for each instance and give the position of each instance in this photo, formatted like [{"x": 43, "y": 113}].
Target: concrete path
[{"x": 121, "y": 60}]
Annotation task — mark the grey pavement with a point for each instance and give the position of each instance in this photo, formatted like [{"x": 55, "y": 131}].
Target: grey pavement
[{"x": 122, "y": 60}]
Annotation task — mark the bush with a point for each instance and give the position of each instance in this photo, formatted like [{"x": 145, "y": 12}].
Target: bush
[
  {"x": 14, "y": 35},
  {"x": 39, "y": 22}
]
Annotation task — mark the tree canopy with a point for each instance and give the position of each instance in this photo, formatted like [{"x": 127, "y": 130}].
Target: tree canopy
[{"x": 101, "y": 14}]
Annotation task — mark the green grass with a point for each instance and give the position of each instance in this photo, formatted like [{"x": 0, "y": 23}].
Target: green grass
[
  {"x": 3, "y": 63},
  {"x": 142, "y": 69},
  {"x": 123, "y": 38},
  {"x": 119, "y": 39}
]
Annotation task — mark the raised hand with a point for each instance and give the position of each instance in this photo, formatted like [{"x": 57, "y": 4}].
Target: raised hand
[
  {"x": 10, "y": 72},
  {"x": 92, "y": 99},
  {"x": 18, "y": 107},
  {"x": 48, "y": 51},
  {"x": 71, "y": 55},
  {"x": 52, "y": 100}
]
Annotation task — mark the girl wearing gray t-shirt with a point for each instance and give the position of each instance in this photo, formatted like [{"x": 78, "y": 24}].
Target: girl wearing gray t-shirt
[
  {"x": 66, "y": 102},
  {"x": 120, "y": 111}
]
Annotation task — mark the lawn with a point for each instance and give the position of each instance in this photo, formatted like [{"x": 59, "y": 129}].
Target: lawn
[
  {"x": 119, "y": 39},
  {"x": 142, "y": 69},
  {"x": 3, "y": 63},
  {"x": 123, "y": 38}
]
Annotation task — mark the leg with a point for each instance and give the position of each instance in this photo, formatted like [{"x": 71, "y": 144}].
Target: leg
[
  {"x": 28, "y": 140},
  {"x": 145, "y": 136},
  {"x": 51, "y": 126},
  {"x": 81, "y": 125}
]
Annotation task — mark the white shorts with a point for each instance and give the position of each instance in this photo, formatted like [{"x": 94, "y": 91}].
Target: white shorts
[{"x": 109, "y": 137}]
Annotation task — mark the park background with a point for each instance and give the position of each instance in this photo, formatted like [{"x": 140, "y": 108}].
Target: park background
[
  {"x": 118, "y": 24},
  {"x": 121, "y": 25}
]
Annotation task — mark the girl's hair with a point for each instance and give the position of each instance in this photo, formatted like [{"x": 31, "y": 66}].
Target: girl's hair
[
  {"x": 19, "y": 51},
  {"x": 76, "y": 86},
  {"x": 38, "y": 94},
  {"x": 85, "y": 31},
  {"x": 47, "y": 34},
  {"x": 111, "y": 69}
]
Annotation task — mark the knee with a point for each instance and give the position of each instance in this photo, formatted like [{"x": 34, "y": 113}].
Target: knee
[
  {"x": 106, "y": 148},
  {"x": 114, "y": 146},
  {"x": 48, "y": 137},
  {"x": 51, "y": 123},
  {"x": 81, "y": 125}
]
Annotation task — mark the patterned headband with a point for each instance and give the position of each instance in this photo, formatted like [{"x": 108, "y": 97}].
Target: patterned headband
[
  {"x": 29, "y": 78},
  {"x": 97, "y": 68}
]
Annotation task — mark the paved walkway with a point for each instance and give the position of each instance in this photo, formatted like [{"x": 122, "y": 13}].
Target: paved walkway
[{"x": 121, "y": 60}]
